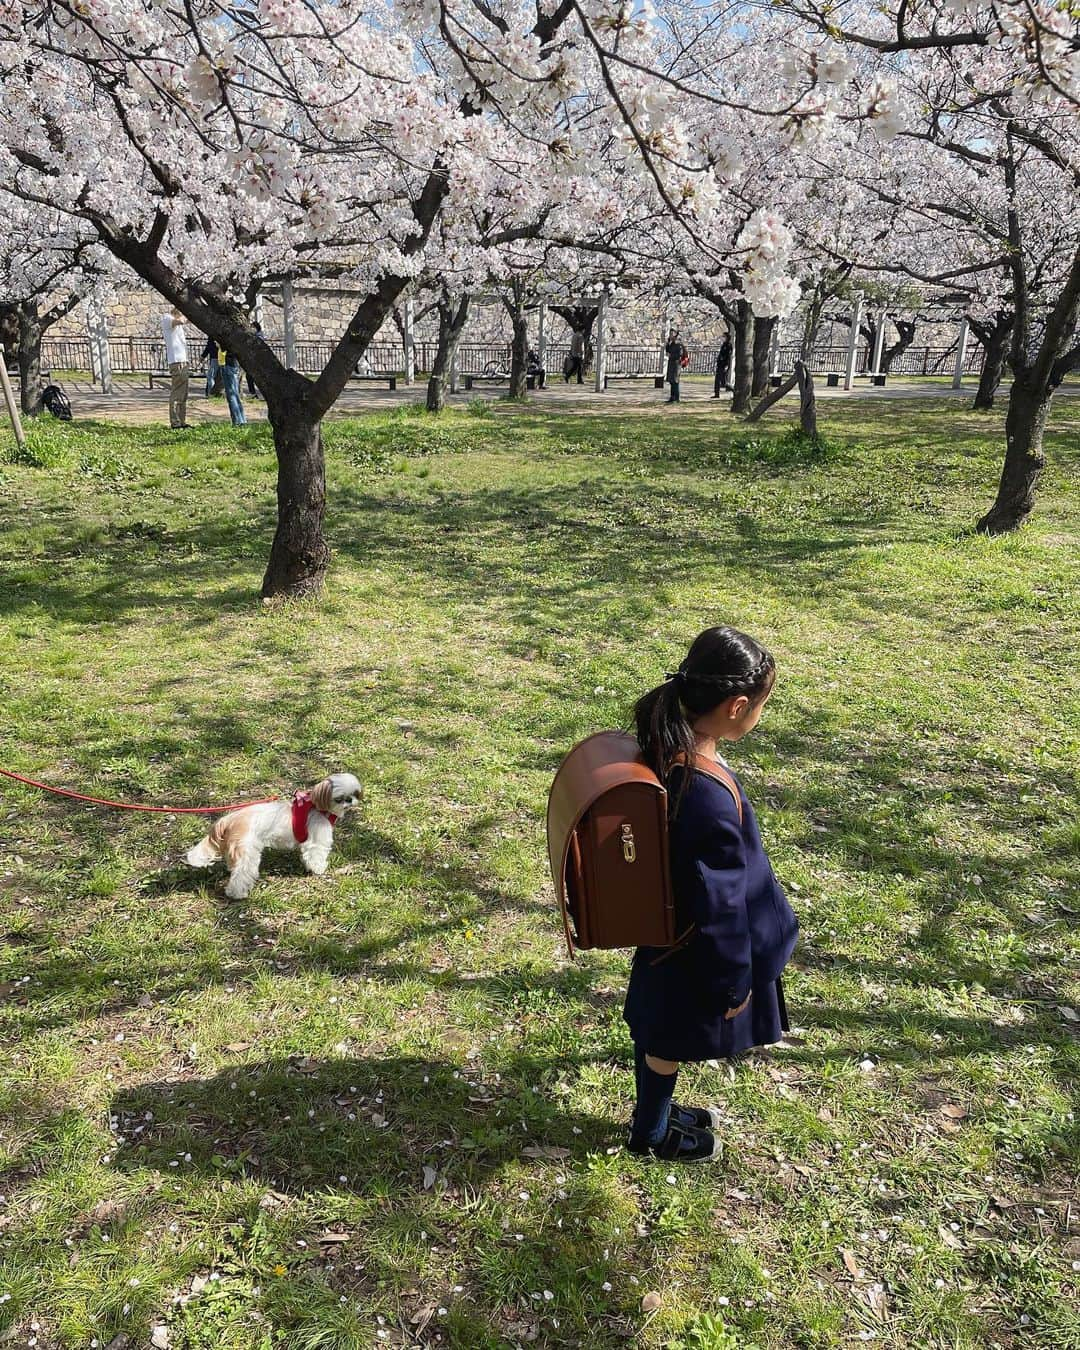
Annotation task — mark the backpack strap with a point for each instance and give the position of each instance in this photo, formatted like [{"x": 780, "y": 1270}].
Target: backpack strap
[{"x": 712, "y": 768}]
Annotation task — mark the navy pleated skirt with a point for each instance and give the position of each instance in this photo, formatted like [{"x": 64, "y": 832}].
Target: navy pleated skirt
[{"x": 697, "y": 1035}]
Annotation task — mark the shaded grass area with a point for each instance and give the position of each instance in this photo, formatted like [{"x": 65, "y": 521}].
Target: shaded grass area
[{"x": 380, "y": 1107}]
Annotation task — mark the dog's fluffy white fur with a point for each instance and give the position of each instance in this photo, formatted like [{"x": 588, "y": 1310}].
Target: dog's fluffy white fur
[{"x": 239, "y": 838}]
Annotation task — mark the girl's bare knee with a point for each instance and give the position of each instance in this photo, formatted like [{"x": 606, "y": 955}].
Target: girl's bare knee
[{"x": 662, "y": 1065}]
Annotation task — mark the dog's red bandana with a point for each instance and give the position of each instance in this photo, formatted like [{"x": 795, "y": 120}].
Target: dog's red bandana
[{"x": 302, "y": 807}]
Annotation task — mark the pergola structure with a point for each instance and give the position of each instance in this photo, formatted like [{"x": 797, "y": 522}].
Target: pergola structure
[
  {"x": 602, "y": 299},
  {"x": 858, "y": 312}
]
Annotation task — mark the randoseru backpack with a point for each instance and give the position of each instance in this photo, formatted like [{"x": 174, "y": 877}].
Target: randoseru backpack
[
  {"x": 56, "y": 401},
  {"x": 607, "y": 834}
]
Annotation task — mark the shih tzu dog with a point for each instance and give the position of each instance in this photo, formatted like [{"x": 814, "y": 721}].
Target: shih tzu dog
[{"x": 306, "y": 822}]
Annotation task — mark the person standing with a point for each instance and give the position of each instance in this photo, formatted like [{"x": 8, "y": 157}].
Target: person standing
[
  {"x": 676, "y": 354},
  {"x": 252, "y": 391},
  {"x": 577, "y": 358},
  {"x": 210, "y": 356},
  {"x": 722, "y": 378},
  {"x": 230, "y": 377},
  {"x": 718, "y": 991},
  {"x": 176, "y": 355}
]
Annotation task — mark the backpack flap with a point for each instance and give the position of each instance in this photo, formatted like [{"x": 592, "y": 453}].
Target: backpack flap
[{"x": 607, "y": 846}]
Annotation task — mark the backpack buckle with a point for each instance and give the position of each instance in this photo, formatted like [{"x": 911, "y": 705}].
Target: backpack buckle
[{"x": 629, "y": 848}]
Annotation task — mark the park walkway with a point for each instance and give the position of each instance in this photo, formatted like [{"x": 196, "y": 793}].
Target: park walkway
[{"x": 133, "y": 404}]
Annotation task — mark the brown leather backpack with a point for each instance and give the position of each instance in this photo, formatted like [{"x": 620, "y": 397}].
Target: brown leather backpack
[{"x": 607, "y": 836}]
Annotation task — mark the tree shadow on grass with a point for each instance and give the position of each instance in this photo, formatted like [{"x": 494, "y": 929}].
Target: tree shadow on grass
[
  {"x": 66, "y": 987},
  {"x": 148, "y": 569},
  {"x": 300, "y": 1124},
  {"x": 843, "y": 778},
  {"x": 411, "y": 1153},
  {"x": 349, "y": 1188},
  {"x": 585, "y": 539}
]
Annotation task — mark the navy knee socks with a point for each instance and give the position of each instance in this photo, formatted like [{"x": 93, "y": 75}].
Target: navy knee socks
[{"x": 654, "y": 1093}]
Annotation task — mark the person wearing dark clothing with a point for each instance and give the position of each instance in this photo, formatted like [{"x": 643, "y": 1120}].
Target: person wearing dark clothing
[
  {"x": 575, "y": 362},
  {"x": 676, "y": 354},
  {"x": 722, "y": 377},
  {"x": 535, "y": 369},
  {"x": 717, "y": 992},
  {"x": 252, "y": 391},
  {"x": 210, "y": 356}
]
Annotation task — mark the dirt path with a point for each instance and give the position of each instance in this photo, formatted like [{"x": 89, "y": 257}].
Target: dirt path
[{"x": 133, "y": 404}]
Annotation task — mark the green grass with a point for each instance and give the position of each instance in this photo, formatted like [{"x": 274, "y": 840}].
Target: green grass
[{"x": 381, "y": 1107}]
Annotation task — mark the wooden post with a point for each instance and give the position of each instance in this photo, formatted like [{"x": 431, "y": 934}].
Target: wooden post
[
  {"x": 106, "y": 362},
  {"x": 961, "y": 353},
  {"x": 853, "y": 342},
  {"x": 97, "y": 326},
  {"x": 410, "y": 344},
  {"x": 12, "y": 406},
  {"x": 541, "y": 334},
  {"x": 601, "y": 341},
  {"x": 288, "y": 319},
  {"x": 95, "y": 351},
  {"x": 879, "y": 342}
]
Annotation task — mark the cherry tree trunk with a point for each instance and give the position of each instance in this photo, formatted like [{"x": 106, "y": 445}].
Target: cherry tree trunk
[
  {"x": 743, "y": 359},
  {"x": 763, "y": 334},
  {"x": 995, "y": 349},
  {"x": 436, "y": 398},
  {"x": 906, "y": 328},
  {"x": 807, "y": 399},
  {"x": 1029, "y": 406},
  {"x": 299, "y": 556},
  {"x": 519, "y": 353},
  {"x": 580, "y": 319},
  {"x": 451, "y": 325},
  {"x": 30, "y": 333}
]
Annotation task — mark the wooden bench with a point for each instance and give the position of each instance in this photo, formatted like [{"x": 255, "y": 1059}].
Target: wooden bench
[
  {"x": 44, "y": 375},
  {"x": 389, "y": 380},
  {"x": 196, "y": 376},
  {"x": 470, "y": 380},
  {"x": 834, "y": 378},
  {"x": 658, "y": 380}
]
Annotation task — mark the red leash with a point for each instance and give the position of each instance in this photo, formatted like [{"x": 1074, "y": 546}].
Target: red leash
[{"x": 129, "y": 806}]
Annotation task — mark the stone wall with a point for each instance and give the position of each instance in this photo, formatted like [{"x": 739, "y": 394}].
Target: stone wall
[{"x": 321, "y": 314}]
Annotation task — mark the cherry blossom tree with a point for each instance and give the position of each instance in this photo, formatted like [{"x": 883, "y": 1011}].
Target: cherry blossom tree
[
  {"x": 981, "y": 156},
  {"x": 213, "y": 143},
  {"x": 47, "y": 267}
]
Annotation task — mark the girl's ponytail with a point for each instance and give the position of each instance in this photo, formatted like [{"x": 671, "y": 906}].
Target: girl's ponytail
[{"x": 663, "y": 732}]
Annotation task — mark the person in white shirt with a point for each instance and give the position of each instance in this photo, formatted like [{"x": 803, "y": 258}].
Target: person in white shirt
[{"x": 172, "y": 328}]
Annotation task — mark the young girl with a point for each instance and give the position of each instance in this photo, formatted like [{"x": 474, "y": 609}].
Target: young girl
[{"x": 717, "y": 991}]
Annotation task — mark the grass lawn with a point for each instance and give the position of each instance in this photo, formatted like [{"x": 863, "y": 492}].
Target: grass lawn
[{"x": 381, "y": 1107}]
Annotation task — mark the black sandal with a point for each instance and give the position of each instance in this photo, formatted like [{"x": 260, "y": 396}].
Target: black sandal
[
  {"x": 682, "y": 1143},
  {"x": 701, "y": 1117}
]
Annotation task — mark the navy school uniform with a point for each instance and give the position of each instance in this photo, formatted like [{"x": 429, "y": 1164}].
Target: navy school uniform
[{"x": 744, "y": 933}]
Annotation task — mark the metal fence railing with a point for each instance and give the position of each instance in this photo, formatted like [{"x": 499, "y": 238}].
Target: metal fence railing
[
  {"x": 133, "y": 356},
  {"x": 66, "y": 353},
  {"x": 913, "y": 361}
]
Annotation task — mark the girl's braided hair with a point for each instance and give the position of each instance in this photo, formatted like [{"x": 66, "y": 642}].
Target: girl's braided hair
[{"x": 722, "y": 663}]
